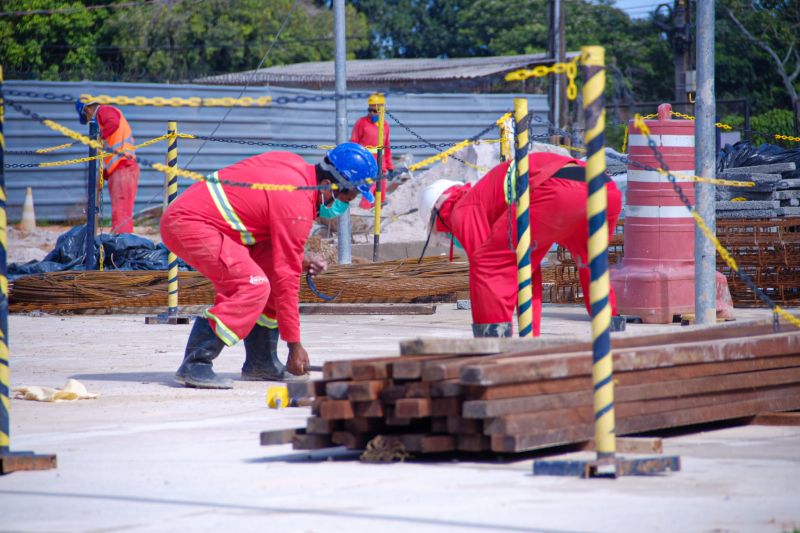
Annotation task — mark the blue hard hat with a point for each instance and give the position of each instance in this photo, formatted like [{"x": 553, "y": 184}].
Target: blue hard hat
[
  {"x": 352, "y": 165},
  {"x": 79, "y": 106}
]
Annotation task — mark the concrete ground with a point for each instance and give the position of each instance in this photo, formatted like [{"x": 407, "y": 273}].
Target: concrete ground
[{"x": 148, "y": 455}]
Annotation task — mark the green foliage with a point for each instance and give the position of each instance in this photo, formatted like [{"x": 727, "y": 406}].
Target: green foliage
[
  {"x": 167, "y": 40},
  {"x": 778, "y": 121}
]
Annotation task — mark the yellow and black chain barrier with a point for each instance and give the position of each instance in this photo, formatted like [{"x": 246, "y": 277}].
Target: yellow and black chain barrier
[
  {"x": 176, "y": 101},
  {"x": 726, "y": 256},
  {"x": 569, "y": 68}
]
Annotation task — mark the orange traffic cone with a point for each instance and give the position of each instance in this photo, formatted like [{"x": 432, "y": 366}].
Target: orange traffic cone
[{"x": 28, "y": 222}]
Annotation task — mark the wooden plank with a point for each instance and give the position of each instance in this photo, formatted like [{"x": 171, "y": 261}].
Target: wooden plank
[
  {"x": 632, "y": 393},
  {"x": 446, "y": 406},
  {"x": 389, "y": 395},
  {"x": 280, "y": 436},
  {"x": 464, "y": 426},
  {"x": 422, "y": 443},
  {"x": 364, "y": 391},
  {"x": 473, "y": 443},
  {"x": 337, "y": 369},
  {"x": 351, "y": 441},
  {"x": 320, "y": 426},
  {"x": 526, "y": 423},
  {"x": 311, "y": 442},
  {"x": 392, "y": 419},
  {"x": 337, "y": 390},
  {"x": 368, "y": 309},
  {"x": 336, "y": 410},
  {"x": 446, "y": 389},
  {"x": 307, "y": 389},
  {"x": 413, "y": 408},
  {"x": 776, "y": 419},
  {"x": 636, "y": 445},
  {"x": 532, "y": 368},
  {"x": 439, "y": 424},
  {"x": 373, "y": 409},
  {"x": 418, "y": 389},
  {"x": 364, "y": 425},
  {"x": 479, "y": 346}
]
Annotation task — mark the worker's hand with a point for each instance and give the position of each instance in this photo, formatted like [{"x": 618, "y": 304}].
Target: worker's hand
[
  {"x": 298, "y": 362},
  {"x": 314, "y": 263}
]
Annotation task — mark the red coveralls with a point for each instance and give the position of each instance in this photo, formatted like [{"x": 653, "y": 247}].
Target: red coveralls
[
  {"x": 480, "y": 221},
  {"x": 122, "y": 173},
  {"x": 365, "y": 133},
  {"x": 249, "y": 243}
]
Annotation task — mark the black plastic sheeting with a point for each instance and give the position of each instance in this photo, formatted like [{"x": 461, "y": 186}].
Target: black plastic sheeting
[
  {"x": 122, "y": 252},
  {"x": 744, "y": 154}
]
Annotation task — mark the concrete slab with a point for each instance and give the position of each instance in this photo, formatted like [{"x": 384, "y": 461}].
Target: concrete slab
[{"x": 149, "y": 455}]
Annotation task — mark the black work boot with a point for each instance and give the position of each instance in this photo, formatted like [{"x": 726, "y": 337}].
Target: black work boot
[
  {"x": 261, "y": 361},
  {"x": 202, "y": 348},
  {"x": 501, "y": 329}
]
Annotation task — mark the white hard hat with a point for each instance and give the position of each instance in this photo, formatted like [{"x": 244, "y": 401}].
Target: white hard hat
[{"x": 429, "y": 196}]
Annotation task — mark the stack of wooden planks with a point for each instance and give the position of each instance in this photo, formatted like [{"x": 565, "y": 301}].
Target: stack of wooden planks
[{"x": 541, "y": 395}]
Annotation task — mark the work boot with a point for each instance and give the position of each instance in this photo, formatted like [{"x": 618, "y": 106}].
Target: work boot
[
  {"x": 202, "y": 348},
  {"x": 500, "y": 329},
  {"x": 261, "y": 361}
]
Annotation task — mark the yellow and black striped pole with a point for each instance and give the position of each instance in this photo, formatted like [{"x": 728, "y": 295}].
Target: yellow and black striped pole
[
  {"x": 5, "y": 388},
  {"x": 171, "y": 179},
  {"x": 524, "y": 292},
  {"x": 379, "y": 189},
  {"x": 594, "y": 75}
]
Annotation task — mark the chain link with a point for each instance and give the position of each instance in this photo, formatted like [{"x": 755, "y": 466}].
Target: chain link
[
  {"x": 540, "y": 71},
  {"x": 723, "y": 252}
]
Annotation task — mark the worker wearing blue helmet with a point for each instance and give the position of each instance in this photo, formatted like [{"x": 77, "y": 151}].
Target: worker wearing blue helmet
[{"x": 250, "y": 244}]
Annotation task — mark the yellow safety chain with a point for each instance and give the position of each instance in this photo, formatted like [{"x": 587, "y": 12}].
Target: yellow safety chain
[
  {"x": 196, "y": 101},
  {"x": 540, "y": 71},
  {"x": 723, "y": 252},
  {"x": 442, "y": 156},
  {"x": 99, "y": 155},
  {"x": 780, "y": 137},
  {"x": 720, "y": 125},
  {"x": 53, "y": 148}
]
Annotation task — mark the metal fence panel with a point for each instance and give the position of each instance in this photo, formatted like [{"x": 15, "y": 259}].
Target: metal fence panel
[{"x": 60, "y": 192}]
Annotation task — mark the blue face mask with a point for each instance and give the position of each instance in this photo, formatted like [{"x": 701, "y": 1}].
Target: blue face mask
[
  {"x": 373, "y": 118},
  {"x": 336, "y": 209},
  {"x": 455, "y": 241}
]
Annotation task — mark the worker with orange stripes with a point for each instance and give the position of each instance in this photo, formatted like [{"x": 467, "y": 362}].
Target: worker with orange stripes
[
  {"x": 481, "y": 219},
  {"x": 250, "y": 244},
  {"x": 120, "y": 168}
]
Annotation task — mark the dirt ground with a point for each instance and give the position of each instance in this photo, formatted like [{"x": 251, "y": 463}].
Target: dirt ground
[{"x": 148, "y": 455}]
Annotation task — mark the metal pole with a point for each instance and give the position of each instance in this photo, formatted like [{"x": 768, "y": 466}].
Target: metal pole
[
  {"x": 340, "y": 67},
  {"x": 747, "y": 120},
  {"x": 379, "y": 189},
  {"x": 90, "y": 262},
  {"x": 5, "y": 403},
  {"x": 705, "y": 165},
  {"x": 524, "y": 293},
  {"x": 594, "y": 75},
  {"x": 171, "y": 193},
  {"x": 796, "y": 113}
]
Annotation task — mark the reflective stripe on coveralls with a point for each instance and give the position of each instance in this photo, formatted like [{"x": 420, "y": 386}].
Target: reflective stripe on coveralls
[{"x": 227, "y": 211}]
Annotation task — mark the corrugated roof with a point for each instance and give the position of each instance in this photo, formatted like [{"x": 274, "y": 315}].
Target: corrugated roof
[{"x": 385, "y": 70}]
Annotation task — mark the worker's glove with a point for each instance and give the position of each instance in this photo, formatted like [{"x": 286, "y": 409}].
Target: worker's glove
[{"x": 313, "y": 263}]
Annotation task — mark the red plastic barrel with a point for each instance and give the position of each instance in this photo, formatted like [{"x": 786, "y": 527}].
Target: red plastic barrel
[{"x": 656, "y": 277}]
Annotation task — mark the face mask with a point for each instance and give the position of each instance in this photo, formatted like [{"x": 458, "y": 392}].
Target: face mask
[
  {"x": 373, "y": 118},
  {"x": 455, "y": 241},
  {"x": 336, "y": 209}
]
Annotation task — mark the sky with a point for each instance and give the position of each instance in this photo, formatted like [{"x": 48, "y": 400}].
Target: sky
[{"x": 640, "y": 8}]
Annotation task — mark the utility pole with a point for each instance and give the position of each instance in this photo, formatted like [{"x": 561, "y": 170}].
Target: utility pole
[
  {"x": 678, "y": 27},
  {"x": 705, "y": 165},
  {"x": 340, "y": 68},
  {"x": 556, "y": 48}
]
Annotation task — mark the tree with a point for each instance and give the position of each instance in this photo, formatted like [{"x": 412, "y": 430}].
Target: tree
[{"x": 774, "y": 27}]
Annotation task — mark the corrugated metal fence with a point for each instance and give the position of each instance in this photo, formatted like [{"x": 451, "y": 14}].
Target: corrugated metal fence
[{"x": 60, "y": 192}]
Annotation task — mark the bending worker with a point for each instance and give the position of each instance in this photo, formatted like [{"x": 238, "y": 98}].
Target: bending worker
[
  {"x": 250, "y": 244},
  {"x": 483, "y": 221},
  {"x": 120, "y": 168},
  {"x": 365, "y": 133}
]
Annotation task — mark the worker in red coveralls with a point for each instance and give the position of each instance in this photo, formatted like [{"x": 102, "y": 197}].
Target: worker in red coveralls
[
  {"x": 120, "y": 168},
  {"x": 481, "y": 219},
  {"x": 250, "y": 244},
  {"x": 365, "y": 133}
]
